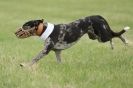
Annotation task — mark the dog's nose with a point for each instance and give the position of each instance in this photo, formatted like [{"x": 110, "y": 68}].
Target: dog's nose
[{"x": 16, "y": 33}]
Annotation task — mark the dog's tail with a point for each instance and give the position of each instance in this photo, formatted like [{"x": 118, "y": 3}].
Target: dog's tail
[{"x": 117, "y": 34}]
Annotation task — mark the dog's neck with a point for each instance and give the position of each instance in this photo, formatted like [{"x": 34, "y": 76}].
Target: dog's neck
[
  {"x": 44, "y": 30},
  {"x": 41, "y": 28}
]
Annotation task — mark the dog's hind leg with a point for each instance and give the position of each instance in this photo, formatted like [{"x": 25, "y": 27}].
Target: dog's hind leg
[
  {"x": 119, "y": 34},
  {"x": 123, "y": 39},
  {"x": 112, "y": 44},
  {"x": 58, "y": 55},
  {"x": 92, "y": 35}
]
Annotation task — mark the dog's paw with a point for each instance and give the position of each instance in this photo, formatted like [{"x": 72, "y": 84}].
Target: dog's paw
[
  {"x": 29, "y": 66},
  {"x": 25, "y": 64},
  {"x": 22, "y": 64},
  {"x": 126, "y": 41}
]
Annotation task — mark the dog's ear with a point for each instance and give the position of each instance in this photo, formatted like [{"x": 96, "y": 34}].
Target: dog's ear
[{"x": 42, "y": 20}]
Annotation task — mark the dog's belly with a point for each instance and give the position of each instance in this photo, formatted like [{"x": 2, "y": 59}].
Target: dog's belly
[{"x": 63, "y": 45}]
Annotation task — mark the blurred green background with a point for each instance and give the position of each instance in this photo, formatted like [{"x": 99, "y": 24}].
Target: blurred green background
[{"x": 88, "y": 64}]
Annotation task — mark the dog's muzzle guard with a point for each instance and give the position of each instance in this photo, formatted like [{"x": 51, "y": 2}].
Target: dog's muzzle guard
[{"x": 21, "y": 33}]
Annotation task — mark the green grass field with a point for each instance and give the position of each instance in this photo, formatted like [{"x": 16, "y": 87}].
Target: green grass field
[{"x": 88, "y": 64}]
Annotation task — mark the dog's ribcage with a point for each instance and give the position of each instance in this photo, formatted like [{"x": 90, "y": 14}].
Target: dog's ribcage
[
  {"x": 66, "y": 35},
  {"x": 63, "y": 45}
]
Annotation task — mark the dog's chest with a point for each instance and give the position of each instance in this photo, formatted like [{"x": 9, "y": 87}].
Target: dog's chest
[{"x": 63, "y": 45}]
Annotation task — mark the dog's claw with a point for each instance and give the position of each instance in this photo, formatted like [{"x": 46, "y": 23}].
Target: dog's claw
[{"x": 21, "y": 65}]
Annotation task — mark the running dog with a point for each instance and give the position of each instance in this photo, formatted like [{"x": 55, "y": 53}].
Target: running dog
[{"x": 58, "y": 37}]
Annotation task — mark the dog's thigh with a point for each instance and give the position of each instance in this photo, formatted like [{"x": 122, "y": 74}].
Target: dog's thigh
[{"x": 92, "y": 35}]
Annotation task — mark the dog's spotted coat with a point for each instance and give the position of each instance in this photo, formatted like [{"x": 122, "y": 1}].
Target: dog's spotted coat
[{"x": 66, "y": 35}]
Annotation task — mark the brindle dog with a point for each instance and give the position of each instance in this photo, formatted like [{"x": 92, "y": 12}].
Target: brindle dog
[{"x": 63, "y": 36}]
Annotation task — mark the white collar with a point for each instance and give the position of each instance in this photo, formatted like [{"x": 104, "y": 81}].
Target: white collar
[{"x": 47, "y": 32}]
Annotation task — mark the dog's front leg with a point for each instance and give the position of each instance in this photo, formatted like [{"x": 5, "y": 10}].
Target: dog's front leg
[
  {"x": 35, "y": 59},
  {"x": 43, "y": 53},
  {"x": 39, "y": 56},
  {"x": 58, "y": 55}
]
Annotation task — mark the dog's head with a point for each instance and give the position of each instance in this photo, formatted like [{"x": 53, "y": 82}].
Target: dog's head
[{"x": 30, "y": 28}]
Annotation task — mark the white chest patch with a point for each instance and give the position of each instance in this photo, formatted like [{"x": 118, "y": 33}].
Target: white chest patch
[{"x": 63, "y": 45}]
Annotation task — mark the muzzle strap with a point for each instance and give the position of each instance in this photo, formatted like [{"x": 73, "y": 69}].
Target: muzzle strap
[{"x": 47, "y": 32}]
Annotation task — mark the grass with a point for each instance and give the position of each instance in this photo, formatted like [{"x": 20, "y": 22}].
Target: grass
[{"x": 88, "y": 64}]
